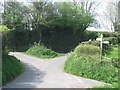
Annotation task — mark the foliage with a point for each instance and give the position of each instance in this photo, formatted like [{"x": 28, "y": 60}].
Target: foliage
[
  {"x": 114, "y": 86},
  {"x": 3, "y": 28},
  {"x": 86, "y": 50},
  {"x": 113, "y": 57},
  {"x": 113, "y": 53},
  {"x": 115, "y": 62},
  {"x": 95, "y": 43},
  {"x": 66, "y": 24},
  {"x": 56, "y": 25},
  {"x": 110, "y": 34},
  {"x": 21, "y": 40},
  {"x": 106, "y": 48},
  {"x": 90, "y": 35},
  {"x": 11, "y": 68},
  {"x": 5, "y": 31},
  {"x": 15, "y": 16},
  {"x": 42, "y": 52},
  {"x": 89, "y": 66},
  {"x": 112, "y": 40}
]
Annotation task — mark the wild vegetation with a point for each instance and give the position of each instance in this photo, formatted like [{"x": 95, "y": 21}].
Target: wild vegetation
[
  {"x": 51, "y": 24},
  {"x": 42, "y": 52},
  {"x": 85, "y": 62},
  {"x": 59, "y": 26},
  {"x": 11, "y": 66}
]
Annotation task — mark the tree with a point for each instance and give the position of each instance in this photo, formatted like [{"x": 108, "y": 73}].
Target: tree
[
  {"x": 17, "y": 18},
  {"x": 112, "y": 14},
  {"x": 61, "y": 21},
  {"x": 15, "y": 15},
  {"x": 55, "y": 25},
  {"x": 4, "y": 34}
]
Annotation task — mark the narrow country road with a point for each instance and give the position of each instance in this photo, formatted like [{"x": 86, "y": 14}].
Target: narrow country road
[{"x": 41, "y": 73}]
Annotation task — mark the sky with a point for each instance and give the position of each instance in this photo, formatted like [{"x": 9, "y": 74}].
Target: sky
[{"x": 99, "y": 10}]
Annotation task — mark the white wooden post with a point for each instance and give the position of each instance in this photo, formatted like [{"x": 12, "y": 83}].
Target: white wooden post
[
  {"x": 101, "y": 49},
  {"x": 101, "y": 42}
]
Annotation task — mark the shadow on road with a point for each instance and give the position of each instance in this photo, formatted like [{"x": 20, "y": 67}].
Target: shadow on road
[{"x": 29, "y": 79}]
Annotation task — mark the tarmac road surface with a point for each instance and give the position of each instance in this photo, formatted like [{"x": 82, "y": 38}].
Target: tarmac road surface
[{"x": 40, "y": 73}]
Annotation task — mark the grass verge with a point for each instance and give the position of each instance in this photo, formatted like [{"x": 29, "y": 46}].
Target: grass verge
[
  {"x": 42, "y": 52},
  {"x": 11, "y": 68},
  {"x": 88, "y": 65}
]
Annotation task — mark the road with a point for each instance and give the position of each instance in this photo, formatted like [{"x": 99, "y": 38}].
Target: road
[{"x": 41, "y": 73}]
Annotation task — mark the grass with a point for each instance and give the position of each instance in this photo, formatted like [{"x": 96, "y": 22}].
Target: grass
[
  {"x": 113, "y": 86},
  {"x": 89, "y": 66},
  {"x": 112, "y": 54},
  {"x": 42, "y": 52},
  {"x": 11, "y": 68}
]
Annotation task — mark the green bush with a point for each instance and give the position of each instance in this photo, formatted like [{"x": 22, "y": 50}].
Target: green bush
[
  {"x": 95, "y": 43},
  {"x": 42, "y": 52},
  {"x": 5, "y": 31},
  {"x": 11, "y": 68},
  {"x": 115, "y": 62},
  {"x": 86, "y": 49},
  {"x": 90, "y": 35},
  {"x": 112, "y": 40},
  {"x": 106, "y": 48},
  {"x": 110, "y": 34},
  {"x": 85, "y": 62},
  {"x": 89, "y": 67},
  {"x": 21, "y": 40},
  {"x": 113, "y": 54}
]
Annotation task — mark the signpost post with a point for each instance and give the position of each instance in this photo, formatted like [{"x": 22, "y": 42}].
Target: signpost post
[
  {"x": 101, "y": 48},
  {"x": 101, "y": 42}
]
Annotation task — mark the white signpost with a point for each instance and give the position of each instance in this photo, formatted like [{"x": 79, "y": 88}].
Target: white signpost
[
  {"x": 101, "y": 49},
  {"x": 101, "y": 42},
  {"x": 105, "y": 42}
]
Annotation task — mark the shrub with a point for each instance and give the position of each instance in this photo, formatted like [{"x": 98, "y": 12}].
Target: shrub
[
  {"x": 87, "y": 67},
  {"x": 86, "y": 49},
  {"x": 11, "y": 68},
  {"x": 112, "y": 40},
  {"x": 106, "y": 48},
  {"x": 110, "y": 34},
  {"x": 115, "y": 62},
  {"x": 42, "y": 52},
  {"x": 90, "y": 35},
  {"x": 4, "y": 29},
  {"x": 95, "y": 43},
  {"x": 5, "y": 37},
  {"x": 82, "y": 63}
]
